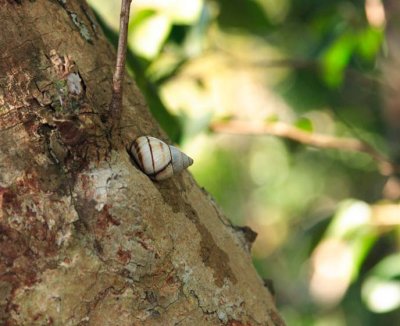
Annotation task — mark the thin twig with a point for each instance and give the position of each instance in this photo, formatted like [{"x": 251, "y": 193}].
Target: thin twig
[
  {"x": 284, "y": 130},
  {"x": 116, "y": 100}
]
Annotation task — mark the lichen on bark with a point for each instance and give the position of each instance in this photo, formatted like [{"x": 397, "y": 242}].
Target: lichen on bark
[{"x": 85, "y": 237}]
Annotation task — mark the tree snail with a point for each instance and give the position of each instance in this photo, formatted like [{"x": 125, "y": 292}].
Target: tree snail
[{"x": 157, "y": 159}]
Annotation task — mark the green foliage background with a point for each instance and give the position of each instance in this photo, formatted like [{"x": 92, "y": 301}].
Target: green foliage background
[{"x": 317, "y": 65}]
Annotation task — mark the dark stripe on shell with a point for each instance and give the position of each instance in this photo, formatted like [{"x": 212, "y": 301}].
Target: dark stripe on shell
[
  {"x": 136, "y": 146},
  {"x": 139, "y": 155},
  {"x": 135, "y": 150},
  {"x": 159, "y": 171},
  {"x": 166, "y": 165},
  {"x": 151, "y": 153},
  {"x": 169, "y": 162}
]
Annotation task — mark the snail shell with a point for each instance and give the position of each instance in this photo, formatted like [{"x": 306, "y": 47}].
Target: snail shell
[{"x": 157, "y": 159}]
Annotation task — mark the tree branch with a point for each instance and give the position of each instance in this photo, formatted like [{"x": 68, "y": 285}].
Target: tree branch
[
  {"x": 117, "y": 91},
  {"x": 279, "y": 129}
]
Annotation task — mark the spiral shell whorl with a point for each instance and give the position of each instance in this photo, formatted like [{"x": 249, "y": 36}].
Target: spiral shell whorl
[{"x": 180, "y": 160}]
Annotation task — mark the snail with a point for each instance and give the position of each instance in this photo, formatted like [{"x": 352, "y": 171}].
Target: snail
[{"x": 157, "y": 159}]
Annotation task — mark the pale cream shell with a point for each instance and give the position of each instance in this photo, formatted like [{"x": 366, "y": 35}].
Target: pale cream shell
[{"x": 157, "y": 159}]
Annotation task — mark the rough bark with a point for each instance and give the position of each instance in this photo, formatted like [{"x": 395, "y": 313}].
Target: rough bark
[{"x": 85, "y": 237}]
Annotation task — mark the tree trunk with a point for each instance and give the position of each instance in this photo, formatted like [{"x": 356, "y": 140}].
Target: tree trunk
[{"x": 85, "y": 237}]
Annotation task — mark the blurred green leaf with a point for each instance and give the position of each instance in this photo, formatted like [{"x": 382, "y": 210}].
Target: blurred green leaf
[
  {"x": 388, "y": 268},
  {"x": 336, "y": 58},
  {"x": 304, "y": 124},
  {"x": 361, "y": 246},
  {"x": 246, "y": 16},
  {"x": 369, "y": 43},
  {"x": 140, "y": 17},
  {"x": 147, "y": 36},
  {"x": 165, "y": 68},
  {"x": 352, "y": 224},
  {"x": 196, "y": 38},
  {"x": 352, "y": 217}
]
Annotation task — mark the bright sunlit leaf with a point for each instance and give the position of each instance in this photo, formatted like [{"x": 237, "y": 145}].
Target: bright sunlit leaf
[
  {"x": 147, "y": 37},
  {"x": 336, "y": 58},
  {"x": 350, "y": 217},
  {"x": 179, "y": 11},
  {"x": 352, "y": 224},
  {"x": 381, "y": 295},
  {"x": 381, "y": 290}
]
